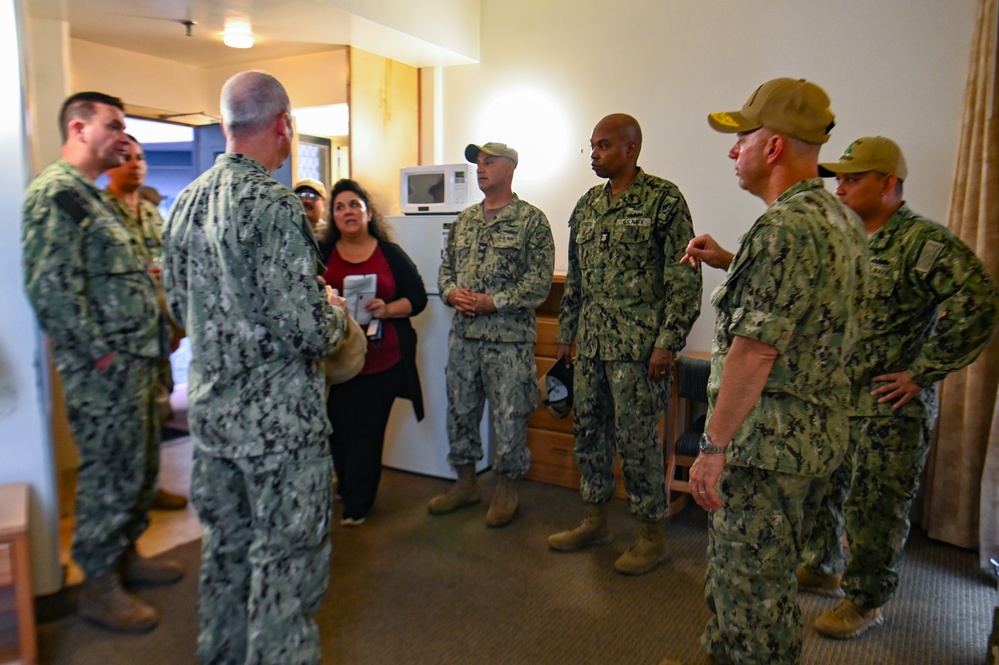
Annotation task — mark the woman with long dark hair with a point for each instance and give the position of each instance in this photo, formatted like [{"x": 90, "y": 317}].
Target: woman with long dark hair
[{"x": 359, "y": 409}]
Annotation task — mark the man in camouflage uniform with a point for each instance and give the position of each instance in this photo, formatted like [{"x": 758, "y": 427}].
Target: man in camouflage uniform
[
  {"x": 786, "y": 319},
  {"x": 143, "y": 221},
  {"x": 629, "y": 305},
  {"x": 931, "y": 308},
  {"x": 497, "y": 270},
  {"x": 85, "y": 275},
  {"x": 239, "y": 272}
]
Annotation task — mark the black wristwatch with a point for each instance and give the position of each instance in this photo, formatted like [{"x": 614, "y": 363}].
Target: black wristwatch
[{"x": 708, "y": 446}]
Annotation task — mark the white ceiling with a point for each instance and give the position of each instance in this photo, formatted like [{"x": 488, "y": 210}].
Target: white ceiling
[{"x": 283, "y": 28}]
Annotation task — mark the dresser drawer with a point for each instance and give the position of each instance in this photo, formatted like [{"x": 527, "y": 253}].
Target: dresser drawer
[{"x": 6, "y": 564}]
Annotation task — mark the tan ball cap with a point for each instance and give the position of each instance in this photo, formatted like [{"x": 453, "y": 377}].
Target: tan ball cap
[
  {"x": 493, "y": 149},
  {"x": 314, "y": 185},
  {"x": 794, "y": 107},
  {"x": 870, "y": 153}
]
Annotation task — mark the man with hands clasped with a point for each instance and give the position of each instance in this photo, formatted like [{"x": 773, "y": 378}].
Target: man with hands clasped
[{"x": 497, "y": 269}]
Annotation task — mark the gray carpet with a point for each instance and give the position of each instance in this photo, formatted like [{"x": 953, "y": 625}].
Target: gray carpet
[{"x": 410, "y": 588}]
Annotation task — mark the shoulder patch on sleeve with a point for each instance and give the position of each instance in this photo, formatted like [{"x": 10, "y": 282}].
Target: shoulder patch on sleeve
[
  {"x": 931, "y": 250},
  {"x": 70, "y": 203}
]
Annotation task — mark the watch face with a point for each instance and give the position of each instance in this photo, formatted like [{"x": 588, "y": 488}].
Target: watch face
[{"x": 705, "y": 442}]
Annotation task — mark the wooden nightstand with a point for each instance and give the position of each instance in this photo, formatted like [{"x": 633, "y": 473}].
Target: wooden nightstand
[{"x": 20, "y": 645}]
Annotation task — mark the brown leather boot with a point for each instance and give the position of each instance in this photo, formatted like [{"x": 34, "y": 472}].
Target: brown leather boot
[
  {"x": 169, "y": 501},
  {"x": 505, "y": 500},
  {"x": 593, "y": 530},
  {"x": 138, "y": 570},
  {"x": 464, "y": 492},
  {"x": 106, "y": 603}
]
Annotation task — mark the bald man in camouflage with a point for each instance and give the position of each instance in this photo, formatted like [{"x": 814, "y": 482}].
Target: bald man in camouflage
[
  {"x": 629, "y": 306},
  {"x": 240, "y": 270}
]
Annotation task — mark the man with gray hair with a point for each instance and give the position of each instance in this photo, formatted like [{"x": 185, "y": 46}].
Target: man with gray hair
[{"x": 240, "y": 274}]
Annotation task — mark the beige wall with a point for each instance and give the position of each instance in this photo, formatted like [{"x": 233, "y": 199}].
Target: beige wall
[
  {"x": 384, "y": 124},
  {"x": 319, "y": 79},
  {"x": 894, "y": 67},
  {"x": 172, "y": 87},
  {"x": 141, "y": 80}
]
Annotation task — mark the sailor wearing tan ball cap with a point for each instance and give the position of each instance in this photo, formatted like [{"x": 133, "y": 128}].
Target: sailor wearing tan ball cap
[
  {"x": 785, "y": 322},
  {"x": 930, "y": 310}
]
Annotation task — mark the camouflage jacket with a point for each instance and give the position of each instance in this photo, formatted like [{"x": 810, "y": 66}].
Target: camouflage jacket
[
  {"x": 85, "y": 274},
  {"x": 625, "y": 291},
  {"x": 146, "y": 225},
  {"x": 796, "y": 284},
  {"x": 931, "y": 308},
  {"x": 239, "y": 271},
  {"x": 511, "y": 259}
]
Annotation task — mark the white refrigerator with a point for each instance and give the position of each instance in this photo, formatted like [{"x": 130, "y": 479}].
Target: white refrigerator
[{"x": 422, "y": 447}]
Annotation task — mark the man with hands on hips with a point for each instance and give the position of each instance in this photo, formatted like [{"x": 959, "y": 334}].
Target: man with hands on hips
[
  {"x": 786, "y": 320},
  {"x": 931, "y": 308}
]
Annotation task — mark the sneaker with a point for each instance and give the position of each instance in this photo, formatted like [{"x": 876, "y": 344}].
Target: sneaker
[
  {"x": 352, "y": 521},
  {"x": 847, "y": 620},
  {"x": 819, "y": 584}
]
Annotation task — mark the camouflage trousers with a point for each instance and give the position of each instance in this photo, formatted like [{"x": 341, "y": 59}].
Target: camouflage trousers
[
  {"x": 265, "y": 555},
  {"x": 112, "y": 415},
  {"x": 505, "y": 374},
  {"x": 869, "y": 497},
  {"x": 618, "y": 411},
  {"x": 754, "y": 546}
]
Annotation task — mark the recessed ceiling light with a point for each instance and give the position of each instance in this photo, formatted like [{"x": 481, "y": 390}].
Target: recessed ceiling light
[
  {"x": 238, "y": 33},
  {"x": 237, "y": 39}
]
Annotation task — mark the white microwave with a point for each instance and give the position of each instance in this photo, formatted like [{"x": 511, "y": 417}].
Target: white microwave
[{"x": 435, "y": 190}]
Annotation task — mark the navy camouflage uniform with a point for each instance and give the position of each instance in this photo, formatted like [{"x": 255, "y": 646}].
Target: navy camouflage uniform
[
  {"x": 626, "y": 294},
  {"x": 146, "y": 225},
  {"x": 491, "y": 356},
  {"x": 795, "y": 284},
  {"x": 931, "y": 308},
  {"x": 86, "y": 277},
  {"x": 239, "y": 273}
]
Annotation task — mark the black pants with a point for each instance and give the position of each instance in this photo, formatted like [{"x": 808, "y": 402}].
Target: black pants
[{"x": 359, "y": 411}]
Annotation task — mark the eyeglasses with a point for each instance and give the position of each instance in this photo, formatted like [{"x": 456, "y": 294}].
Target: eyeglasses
[{"x": 308, "y": 195}]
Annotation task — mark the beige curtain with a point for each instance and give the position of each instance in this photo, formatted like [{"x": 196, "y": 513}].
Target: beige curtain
[{"x": 961, "y": 489}]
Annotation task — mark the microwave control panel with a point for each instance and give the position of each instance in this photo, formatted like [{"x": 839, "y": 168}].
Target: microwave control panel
[{"x": 460, "y": 196}]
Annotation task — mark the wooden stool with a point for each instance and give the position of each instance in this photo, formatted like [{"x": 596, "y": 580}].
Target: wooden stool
[{"x": 15, "y": 568}]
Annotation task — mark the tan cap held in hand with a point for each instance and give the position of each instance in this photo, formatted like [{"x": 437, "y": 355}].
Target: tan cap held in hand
[{"x": 793, "y": 107}]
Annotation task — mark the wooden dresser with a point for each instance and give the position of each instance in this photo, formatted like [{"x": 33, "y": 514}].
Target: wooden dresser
[{"x": 550, "y": 439}]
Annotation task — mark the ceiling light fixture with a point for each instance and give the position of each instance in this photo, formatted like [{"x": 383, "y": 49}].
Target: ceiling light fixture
[{"x": 237, "y": 34}]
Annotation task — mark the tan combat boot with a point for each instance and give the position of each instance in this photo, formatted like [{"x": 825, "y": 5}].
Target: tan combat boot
[
  {"x": 593, "y": 530},
  {"x": 819, "y": 584},
  {"x": 504, "y": 504},
  {"x": 464, "y": 492},
  {"x": 105, "y": 602},
  {"x": 848, "y": 620},
  {"x": 138, "y": 570},
  {"x": 647, "y": 552}
]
